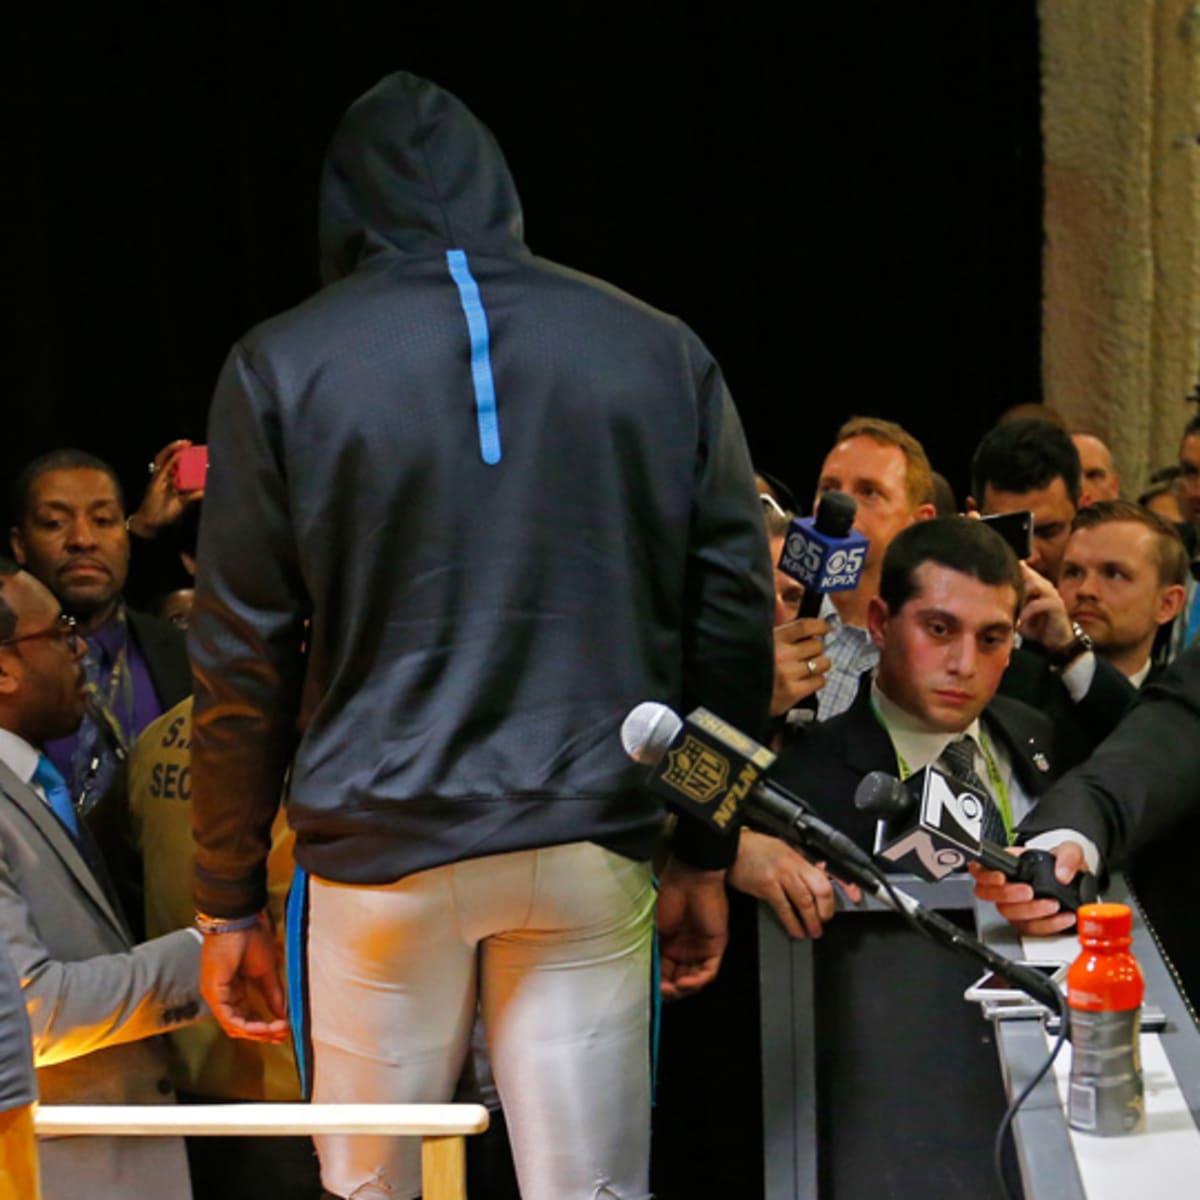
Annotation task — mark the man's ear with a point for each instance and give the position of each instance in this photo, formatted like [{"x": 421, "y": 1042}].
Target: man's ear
[
  {"x": 17, "y": 542},
  {"x": 9, "y": 680},
  {"x": 1170, "y": 602},
  {"x": 924, "y": 512},
  {"x": 877, "y": 615}
]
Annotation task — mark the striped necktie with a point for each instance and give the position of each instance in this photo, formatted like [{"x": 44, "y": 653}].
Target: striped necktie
[
  {"x": 959, "y": 759},
  {"x": 58, "y": 797}
]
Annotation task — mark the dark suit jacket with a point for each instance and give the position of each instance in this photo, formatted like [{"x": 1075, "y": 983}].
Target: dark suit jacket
[
  {"x": 1138, "y": 799},
  {"x": 826, "y": 765},
  {"x": 164, "y": 648},
  {"x": 1079, "y": 728}
]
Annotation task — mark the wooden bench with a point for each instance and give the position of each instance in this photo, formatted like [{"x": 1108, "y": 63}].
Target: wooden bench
[{"x": 442, "y": 1128}]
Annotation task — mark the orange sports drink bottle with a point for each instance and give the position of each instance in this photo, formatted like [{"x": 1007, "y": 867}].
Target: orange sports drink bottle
[{"x": 1104, "y": 995}]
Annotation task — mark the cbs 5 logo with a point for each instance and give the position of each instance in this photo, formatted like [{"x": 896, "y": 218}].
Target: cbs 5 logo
[
  {"x": 846, "y": 562},
  {"x": 805, "y": 552}
]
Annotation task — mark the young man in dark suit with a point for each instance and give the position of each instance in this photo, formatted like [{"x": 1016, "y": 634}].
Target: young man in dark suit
[
  {"x": 888, "y": 1005},
  {"x": 943, "y": 624}
]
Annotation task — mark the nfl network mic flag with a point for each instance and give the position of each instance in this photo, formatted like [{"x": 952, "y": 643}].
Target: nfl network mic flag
[{"x": 710, "y": 769}]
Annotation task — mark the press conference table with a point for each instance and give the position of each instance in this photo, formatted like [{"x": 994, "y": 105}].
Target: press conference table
[{"x": 1054, "y": 1162}]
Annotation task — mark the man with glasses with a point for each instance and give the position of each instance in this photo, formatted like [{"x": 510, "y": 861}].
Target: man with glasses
[{"x": 96, "y": 1001}]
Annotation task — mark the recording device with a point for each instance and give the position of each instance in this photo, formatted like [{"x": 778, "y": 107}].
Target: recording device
[
  {"x": 190, "y": 469},
  {"x": 706, "y": 768},
  {"x": 824, "y": 552},
  {"x": 1016, "y": 528},
  {"x": 947, "y": 818},
  {"x": 994, "y": 986}
]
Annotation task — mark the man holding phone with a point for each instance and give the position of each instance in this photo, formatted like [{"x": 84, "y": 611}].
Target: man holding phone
[
  {"x": 1030, "y": 465},
  {"x": 1026, "y": 479}
]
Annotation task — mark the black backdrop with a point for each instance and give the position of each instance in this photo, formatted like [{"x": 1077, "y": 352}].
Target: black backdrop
[{"x": 844, "y": 201}]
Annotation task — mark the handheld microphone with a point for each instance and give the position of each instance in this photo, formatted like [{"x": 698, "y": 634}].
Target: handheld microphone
[
  {"x": 945, "y": 822},
  {"x": 900, "y": 837},
  {"x": 706, "y": 768},
  {"x": 824, "y": 552}
]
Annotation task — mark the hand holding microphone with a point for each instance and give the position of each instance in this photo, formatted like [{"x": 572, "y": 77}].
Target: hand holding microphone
[
  {"x": 801, "y": 663},
  {"x": 1021, "y": 904},
  {"x": 931, "y": 824},
  {"x": 825, "y": 554}
]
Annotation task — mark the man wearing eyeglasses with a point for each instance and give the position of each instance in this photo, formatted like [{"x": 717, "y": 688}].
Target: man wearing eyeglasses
[{"x": 96, "y": 1001}]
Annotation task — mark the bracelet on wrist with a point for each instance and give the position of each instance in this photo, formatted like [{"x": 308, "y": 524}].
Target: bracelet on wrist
[
  {"x": 207, "y": 924},
  {"x": 1081, "y": 643}
]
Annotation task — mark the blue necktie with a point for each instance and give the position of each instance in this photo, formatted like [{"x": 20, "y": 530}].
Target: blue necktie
[{"x": 46, "y": 776}]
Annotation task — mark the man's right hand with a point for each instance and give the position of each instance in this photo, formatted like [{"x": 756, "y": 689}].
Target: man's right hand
[
  {"x": 1043, "y": 617},
  {"x": 238, "y": 975},
  {"x": 1032, "y": 918},
  {"x": 799, "y": 891},
  {"x": 800, "y": 662}
]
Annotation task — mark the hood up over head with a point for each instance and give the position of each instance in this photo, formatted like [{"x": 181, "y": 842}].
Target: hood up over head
[{"x": 411, "y": 169}]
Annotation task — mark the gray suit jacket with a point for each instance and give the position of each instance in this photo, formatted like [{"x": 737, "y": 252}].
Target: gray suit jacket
[{"x": 96, "y": 1003}]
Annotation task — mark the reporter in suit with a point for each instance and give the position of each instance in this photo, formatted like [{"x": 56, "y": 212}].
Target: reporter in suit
[
  {"x": 943, "y": 622},
  {"x": 95, "y": 1000}
]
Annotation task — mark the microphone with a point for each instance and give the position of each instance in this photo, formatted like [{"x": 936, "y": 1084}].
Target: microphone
[
  {"x": 706, "y": 768},
  {"x": 900, "y": 837},
  {"x": 926, "y": 832},
  {"x": 824, "y": 552}
]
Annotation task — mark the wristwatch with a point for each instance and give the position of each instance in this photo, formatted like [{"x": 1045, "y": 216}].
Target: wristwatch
[{"x": 1081, "y": 643}]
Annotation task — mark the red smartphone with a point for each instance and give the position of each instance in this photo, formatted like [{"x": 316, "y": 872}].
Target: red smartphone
[{"x": 191, "y": 466}]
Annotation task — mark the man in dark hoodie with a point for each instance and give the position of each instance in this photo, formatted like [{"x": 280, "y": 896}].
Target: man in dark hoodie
[{"x": 466, "y": 509}]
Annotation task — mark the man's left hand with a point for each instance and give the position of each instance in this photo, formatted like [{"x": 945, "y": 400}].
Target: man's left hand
[
  {"x": 693, "y": 927},
  {"x": 238, "y": 973},
  {"x": 163, "y": 504}
]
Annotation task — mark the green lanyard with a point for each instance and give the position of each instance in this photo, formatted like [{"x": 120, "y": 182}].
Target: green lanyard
[{"x": 999, "y": 787}]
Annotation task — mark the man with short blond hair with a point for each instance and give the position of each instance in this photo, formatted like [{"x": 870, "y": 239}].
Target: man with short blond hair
[
  {"x": 1124, "y": 576},
  {"x": 885, "y": 469}
]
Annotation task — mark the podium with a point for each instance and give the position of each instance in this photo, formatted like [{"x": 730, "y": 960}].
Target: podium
[{"x": 879, "y": 1080}]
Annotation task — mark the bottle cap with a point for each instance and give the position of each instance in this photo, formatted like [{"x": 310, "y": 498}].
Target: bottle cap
[{"x": 1105, "y": 922}]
